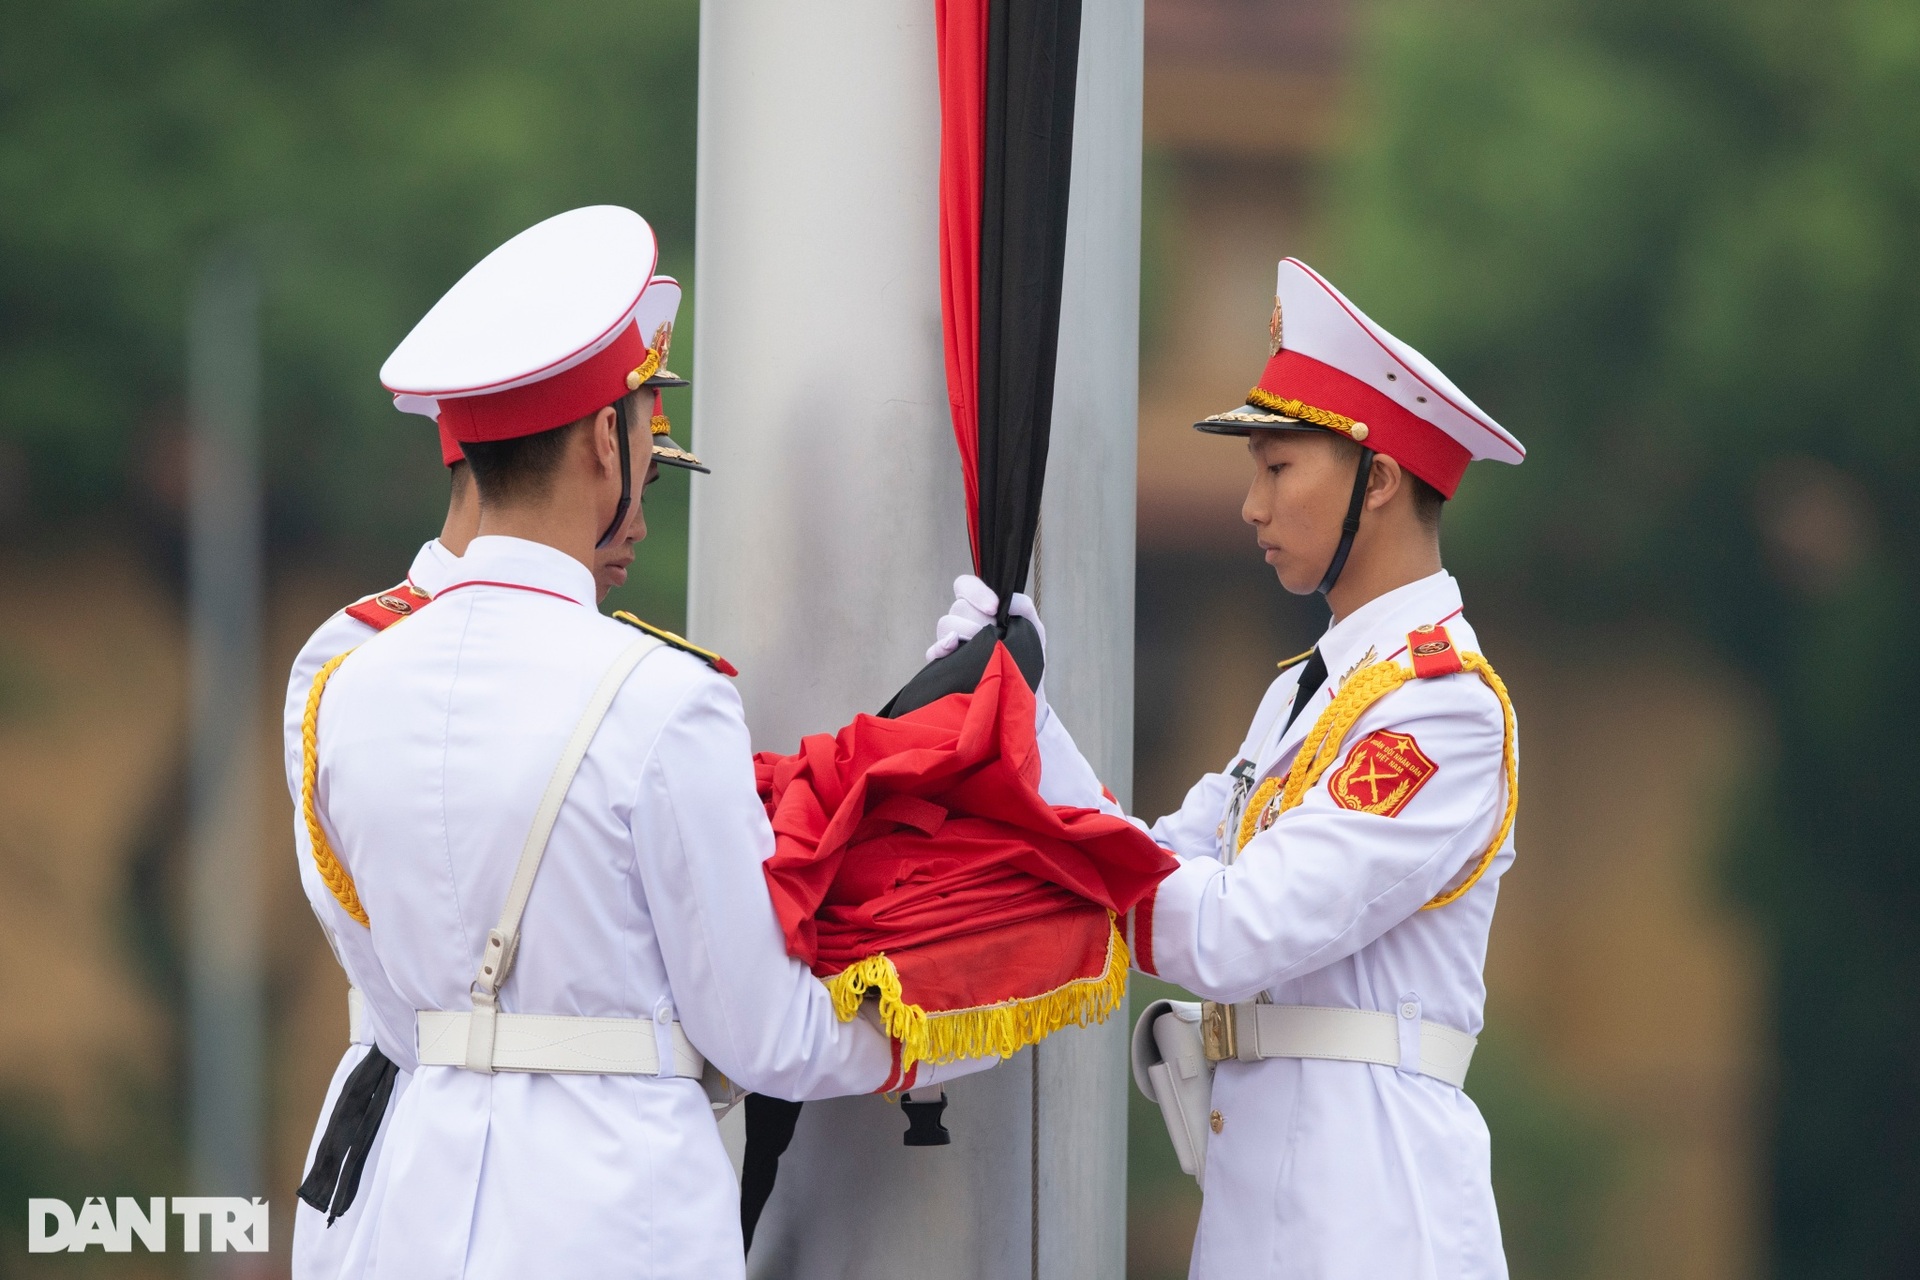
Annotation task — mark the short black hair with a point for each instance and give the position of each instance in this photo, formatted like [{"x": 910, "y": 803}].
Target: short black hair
[
  {"x": 522, "y": 468},
  {"x": 518, "y": 469},
  {"x": 1427, "y": 501}
]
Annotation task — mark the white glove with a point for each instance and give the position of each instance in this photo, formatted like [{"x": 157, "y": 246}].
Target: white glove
[
  {"x": 975, "y": 605},
  {"x": 1065, "y": 776}
]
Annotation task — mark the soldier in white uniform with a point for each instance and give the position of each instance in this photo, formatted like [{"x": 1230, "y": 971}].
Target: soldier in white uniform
[
  {"x": 545, "y": 824},
  {"x": 325, "y": 1215},
  {"x": 1338, "y": 875}
]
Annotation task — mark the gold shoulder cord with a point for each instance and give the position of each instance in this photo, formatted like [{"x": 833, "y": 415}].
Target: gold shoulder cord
[
  {"x": 338, "y": 881},
  {"x": 1366, "y": 687}
]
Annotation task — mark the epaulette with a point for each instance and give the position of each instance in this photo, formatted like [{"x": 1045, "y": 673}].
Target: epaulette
[
  {"x": 1432, "y": 652},
  {"x": 681, "y": 643},
  {"x": 388, "y": 607}
]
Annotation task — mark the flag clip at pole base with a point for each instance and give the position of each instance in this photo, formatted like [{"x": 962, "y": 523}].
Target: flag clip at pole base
[
  {"x": 1003, "y": 1029},
  {"x": 923, "y": 1122}
]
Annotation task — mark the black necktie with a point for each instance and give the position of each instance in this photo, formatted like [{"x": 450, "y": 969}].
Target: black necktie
[{"x": 1312, "y": 676}]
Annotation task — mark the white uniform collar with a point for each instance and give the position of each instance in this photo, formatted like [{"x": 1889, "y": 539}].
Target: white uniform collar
[
  {"x": 516, "y": 562},
  {"x": 434, "y": 568},
  {"x": 1378, "y": 628}
]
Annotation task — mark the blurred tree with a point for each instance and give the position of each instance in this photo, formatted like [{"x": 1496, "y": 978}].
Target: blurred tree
[
  {"x": 367, "y": 153},
  {"x": 1675, "y": 244}
]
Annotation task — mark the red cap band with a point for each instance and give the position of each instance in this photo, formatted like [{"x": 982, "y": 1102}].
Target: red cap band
[
  {"x": 449, "y": 447},
  {"x": 1400, "y": 434},
  {"x": 567, "y": 396}
]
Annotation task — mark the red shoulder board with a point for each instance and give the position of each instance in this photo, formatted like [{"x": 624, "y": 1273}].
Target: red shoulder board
[
  {"x": 684, "y": 645},
  {"x": 1432, "y": 651},
  {"x": 388, "y": 607}
]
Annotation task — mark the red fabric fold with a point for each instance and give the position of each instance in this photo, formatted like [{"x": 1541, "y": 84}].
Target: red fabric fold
[
  {"x": 962, "y": 38},
  {"x": 928, "y": 832}
]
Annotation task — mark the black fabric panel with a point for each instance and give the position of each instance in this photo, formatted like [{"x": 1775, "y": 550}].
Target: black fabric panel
[
  {"x": 1033, "y": 53},
  {"x": 770, "y": 1123},
  {"x": 333, "y": 1182},
  {"x": 960, "y": 671}
]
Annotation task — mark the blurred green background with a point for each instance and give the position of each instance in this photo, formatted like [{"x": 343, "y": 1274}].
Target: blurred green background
[
  {"x": 1675, "y": 246},
  {"x": 364, "y": 156}
]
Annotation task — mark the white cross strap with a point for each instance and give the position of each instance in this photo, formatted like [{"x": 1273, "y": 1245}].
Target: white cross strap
[{"x": 496, "y": 959}]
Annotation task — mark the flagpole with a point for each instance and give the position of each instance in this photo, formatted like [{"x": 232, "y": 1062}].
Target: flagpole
[
  {"x": 1083, "y": 583},
  {"x": 824, "y": 545}
]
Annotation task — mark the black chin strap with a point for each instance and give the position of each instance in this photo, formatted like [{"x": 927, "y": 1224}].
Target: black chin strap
[
  {"x": 626, "y": 472},
  {"x": 1351, "y": 525}
]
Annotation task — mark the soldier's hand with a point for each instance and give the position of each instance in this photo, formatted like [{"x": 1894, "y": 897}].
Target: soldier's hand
[{"x": 975, "y": 605}]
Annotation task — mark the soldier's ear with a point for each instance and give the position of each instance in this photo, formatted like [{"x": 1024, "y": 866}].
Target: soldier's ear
[
  {"x": 1384, "y": 482},
  {"x": 605, "y": 442}
]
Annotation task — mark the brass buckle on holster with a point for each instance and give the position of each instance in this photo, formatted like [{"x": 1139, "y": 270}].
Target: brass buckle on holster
[{"x": 1219, "y": 1038}]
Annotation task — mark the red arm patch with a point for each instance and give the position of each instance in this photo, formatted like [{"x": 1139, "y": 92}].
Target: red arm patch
[
  {"x": 1382, "y": 774},
  {"x": 388, "y": 607}
]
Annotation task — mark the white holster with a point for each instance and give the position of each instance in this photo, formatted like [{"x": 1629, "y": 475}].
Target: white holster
[
  {"x": 1170, "y": 1067},
  {"x": 1176, "y": 1044}
]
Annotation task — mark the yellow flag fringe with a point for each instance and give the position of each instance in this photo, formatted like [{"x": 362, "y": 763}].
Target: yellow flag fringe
[{"x": 1002, "y": 1029}]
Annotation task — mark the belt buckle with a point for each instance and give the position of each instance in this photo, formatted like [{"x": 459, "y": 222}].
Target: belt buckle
[{"x": 1219, "y": 1037}]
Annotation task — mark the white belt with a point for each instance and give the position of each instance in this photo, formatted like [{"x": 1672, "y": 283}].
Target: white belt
[
  {"x": 1252, "y": 1032},
  {"x": 540, "y": 1042},
  {"x": 357, "y": 1030}
]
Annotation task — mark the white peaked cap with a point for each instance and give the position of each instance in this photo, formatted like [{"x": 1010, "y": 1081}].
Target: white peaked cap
[
  {"x": 654, "y": 319},
  {"x": 539, "y": 333},
  {"x": 1333, "y": 368}
]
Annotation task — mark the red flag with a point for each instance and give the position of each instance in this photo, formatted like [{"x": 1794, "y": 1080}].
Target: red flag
[{"x": 915, "y": 857}]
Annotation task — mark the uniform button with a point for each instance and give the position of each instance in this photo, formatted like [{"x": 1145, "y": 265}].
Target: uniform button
[
  {"x": 661, "y": 1016},
  {"x": 1216, "y": 1122},
  {"x": 1409, "y": 1010}
]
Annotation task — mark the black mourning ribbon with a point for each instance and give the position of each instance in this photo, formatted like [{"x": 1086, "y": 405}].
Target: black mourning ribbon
[
  {"x": 334, "y": 1180},
  {"x": 960, "y": 671}
]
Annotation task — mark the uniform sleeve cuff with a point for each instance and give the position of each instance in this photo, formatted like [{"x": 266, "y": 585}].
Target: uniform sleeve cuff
[
  {"x": 897, "y": 1080},
  {"x": 1139, "y": 933},
  {"x": 1164, "y": 922}
]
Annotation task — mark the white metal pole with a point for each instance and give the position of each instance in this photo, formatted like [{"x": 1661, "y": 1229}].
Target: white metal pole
[
  {"x": 1083, "y": 583},
  {"x": 825, "y": 542},
  {"x": 224, "y": 583}
]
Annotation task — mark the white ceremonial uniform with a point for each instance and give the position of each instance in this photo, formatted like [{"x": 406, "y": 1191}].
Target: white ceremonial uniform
[
  {"x": 435, "y": 743},
  {"x": 320, "y": 1251},
  {"x": 1331, "y": 1169}
]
